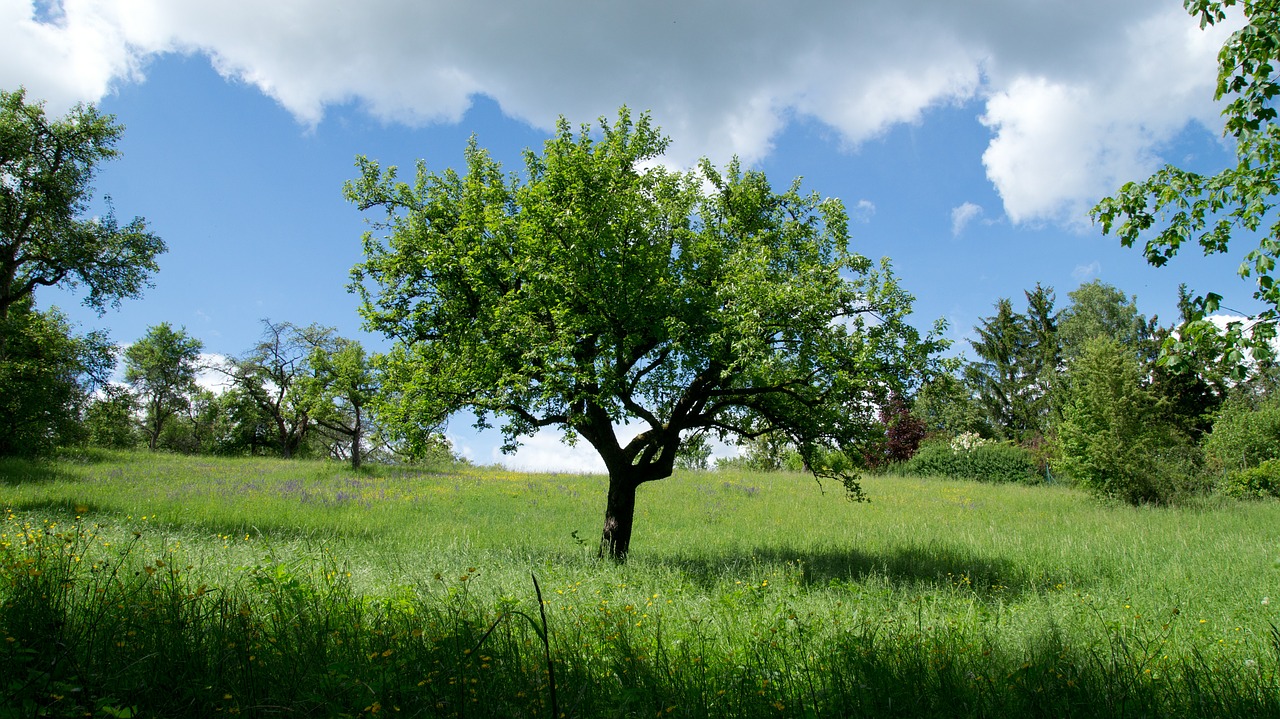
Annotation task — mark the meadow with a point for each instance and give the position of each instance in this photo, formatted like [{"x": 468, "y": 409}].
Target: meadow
[{"x": 134, "y": 584}]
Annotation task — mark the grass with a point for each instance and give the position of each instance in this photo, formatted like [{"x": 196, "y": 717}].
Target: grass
[{"x": 160, "y": 585}]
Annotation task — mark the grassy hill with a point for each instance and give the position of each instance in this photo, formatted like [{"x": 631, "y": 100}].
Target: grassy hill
[{"x": 138, "y": 584}]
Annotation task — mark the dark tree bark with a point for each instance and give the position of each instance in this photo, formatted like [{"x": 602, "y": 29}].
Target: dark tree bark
[{"x": 619, "y": 517}]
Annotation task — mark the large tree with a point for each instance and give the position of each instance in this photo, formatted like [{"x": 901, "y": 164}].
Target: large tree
[
  {"x": 162, "y": 369},
  {"x": 603, "y": 289},
  {"x": 1184, "y": 207},
  {"x": 46, "y": 167}
]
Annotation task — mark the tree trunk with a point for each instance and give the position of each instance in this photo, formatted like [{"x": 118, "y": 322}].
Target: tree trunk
[
  {"x": 619, "y": 514},
  {"x": 355, "y": 441}
]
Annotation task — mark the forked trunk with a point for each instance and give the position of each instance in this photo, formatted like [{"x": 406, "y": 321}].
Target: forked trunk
[{"x": 619, "y": 515}]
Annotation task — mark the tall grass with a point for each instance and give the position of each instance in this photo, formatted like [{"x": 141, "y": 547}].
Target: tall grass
[{"x": 160, "y": 585}]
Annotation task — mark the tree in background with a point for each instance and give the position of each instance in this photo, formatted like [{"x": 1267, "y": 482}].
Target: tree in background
[
  {"x": 162, "y": 368},
  {"x": 1111, "y": 439},
  {"x": 1005, "y": 378},
  {"x": 1210, "y": 211},
  {"x": 109, "y": 419},
  {"x": 47, "y": 375},
  {"x": 341, "y": 391},
  {"x": 272, "y": 375},
  {"x": 1098, "y": 309},
  {"x": 47, "y": 166},
  {"x": 604, "y": 288}
]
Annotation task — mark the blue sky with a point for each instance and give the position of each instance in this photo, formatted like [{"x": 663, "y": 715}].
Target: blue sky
[{"x": 967, "y": 145}]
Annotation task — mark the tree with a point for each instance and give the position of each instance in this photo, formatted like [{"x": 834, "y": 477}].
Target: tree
[
  {"x": 603, "y": 288},
  {"x": 46, "y": 168},
  {"x": 109, "y": 419},
  {"x": 1098, "y": 309},
  {"x": 340, "y": 391},
  {"x": 1111, "y": 439},
  {"x": 1210, "y": 210},
  {"x": 47, "y": 375},
  {"x": 1005, "y": 375},
  {"x": 272, "y": 374},
  {"x": 162, "y": 368}
]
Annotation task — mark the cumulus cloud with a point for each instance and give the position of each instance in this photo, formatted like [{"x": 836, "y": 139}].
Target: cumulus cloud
[
  {"x": 961, "y": 217},
  {"x": 1078, "y": 94}
]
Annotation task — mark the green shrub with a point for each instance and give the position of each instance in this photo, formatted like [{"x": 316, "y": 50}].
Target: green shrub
[
  {"x": 996, "y": 463},
  {"x": 1254, "y": 482},
  {"x": 1244, "y": 436}
]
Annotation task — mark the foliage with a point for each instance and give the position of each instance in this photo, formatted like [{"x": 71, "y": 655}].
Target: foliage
[
  {"x": 109, "y": 419},
  {"x": 1253, "y": 482},
  {"x": 903, "y": 433},
  {"x": 274, "y": 374},
  {"x": 47, "y": 375},
  {"x": 1244, "y": 435},
  {"x": 947, "y": 405},
  {"x": 694, "y": 453},
  {"x": 1017, "y": 359},
  {"x": 47, "y": 166},
  {"x": 996, "y": 462},
  {"x": 340, "y": 392},
  {"x": 1209, "y": 210},
  {"x": 1098, "y": 309},
  {"x": 162, "y": 368},
  {"x": 1111, "y": 440},
  {"x": 604, "y": 288}
]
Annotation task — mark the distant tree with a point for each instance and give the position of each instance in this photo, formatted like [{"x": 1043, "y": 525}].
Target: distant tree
[
  {"x": 1005, "y": 375},
  {"x": 1209, "y": 211},
  {"x": 47, "y": 375},
  {"x": 341, "y": 391},
  {"x": 948, "y": 406},
  {"x": 603, "y": 288},
  {"x": 47, "y": 166},
  {"x": 1098, "y": 309},
  {"x": 1111, "y": 439},
  {"x": 272, "y": 374},
  {"x": 903, "y": 431},
  {"x": 162, "y": 369},
  {"x": 109, "y": 419}
]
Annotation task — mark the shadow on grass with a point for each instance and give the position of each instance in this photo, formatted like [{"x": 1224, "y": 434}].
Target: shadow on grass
[
  {"x": 15, "y": 471},
  {"x": 935, "y": 565}
]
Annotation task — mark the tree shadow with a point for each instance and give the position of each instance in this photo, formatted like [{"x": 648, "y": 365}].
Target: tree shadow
[
  {"x": 15, "y": 471},
  {"x": 919, "y": 567}
]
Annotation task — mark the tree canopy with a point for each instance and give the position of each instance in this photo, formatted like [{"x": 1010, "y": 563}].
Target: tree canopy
[
  {"x": 46, "y": 167},
  {"x": 1189, "y": 208},
  {"x": 604, "y": 289}
]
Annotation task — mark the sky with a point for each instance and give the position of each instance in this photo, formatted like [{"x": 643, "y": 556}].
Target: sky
[{"x": 967, "y": 140}]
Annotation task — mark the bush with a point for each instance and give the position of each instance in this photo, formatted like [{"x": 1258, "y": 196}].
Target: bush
[
  {"x": 1244, "y": 436},
  {"x": 1254, "y": 482},
  {"x": 996, "y": 463}
]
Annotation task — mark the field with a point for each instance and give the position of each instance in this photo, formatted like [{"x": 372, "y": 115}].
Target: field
[{"x": 154, "y": 585}]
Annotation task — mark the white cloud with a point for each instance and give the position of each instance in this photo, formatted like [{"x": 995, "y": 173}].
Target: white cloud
[
  {"x": 545, "y": 451},
  {"x": 213, "y": 375},
  {"x": 1084, "y": 273},
  {"x": 961, "y": 217},
  {"x": 1079, "y": 94},
  {"x": 863, "y": 211}
]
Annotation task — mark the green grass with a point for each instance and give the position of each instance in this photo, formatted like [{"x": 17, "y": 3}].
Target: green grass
[{"x": 206, "y": 587}]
